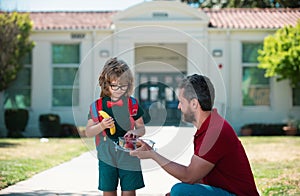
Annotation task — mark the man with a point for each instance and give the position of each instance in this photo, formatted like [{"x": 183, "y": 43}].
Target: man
[{"x": 219, "y": 165}]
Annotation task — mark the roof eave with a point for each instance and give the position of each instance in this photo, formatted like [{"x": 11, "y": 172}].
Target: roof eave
[
  {"x": 70, "y": 29},
  {"x": 240, "y": 29}
]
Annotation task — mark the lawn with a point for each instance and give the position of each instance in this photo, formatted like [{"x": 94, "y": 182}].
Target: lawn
[
  {"x": 275, "y": 160},
  {"x": 276, "y": 164},
  {"x": 22, "y": 158}
]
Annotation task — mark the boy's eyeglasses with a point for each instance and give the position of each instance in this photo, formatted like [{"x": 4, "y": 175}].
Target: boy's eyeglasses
[{"x": 117, "y": 87}]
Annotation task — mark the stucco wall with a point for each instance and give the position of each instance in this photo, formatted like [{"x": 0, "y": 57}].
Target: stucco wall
[{"x": 138, "y": 25}]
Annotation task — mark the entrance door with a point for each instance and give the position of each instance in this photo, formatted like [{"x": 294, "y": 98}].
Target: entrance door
[{"x": 157, "y": 96}]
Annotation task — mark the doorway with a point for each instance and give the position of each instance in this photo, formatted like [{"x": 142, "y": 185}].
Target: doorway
[
  {"x": 159, "y": 67},
  {"x": 157, "y": 93}
]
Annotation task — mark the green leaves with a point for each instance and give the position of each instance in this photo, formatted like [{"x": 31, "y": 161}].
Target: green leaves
[
  {"x": 280, "y": 56},
  {"x": 15, "y": 29}
]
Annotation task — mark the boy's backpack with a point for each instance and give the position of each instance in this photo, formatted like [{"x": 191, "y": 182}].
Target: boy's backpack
[{"x": 96, "y": 106}]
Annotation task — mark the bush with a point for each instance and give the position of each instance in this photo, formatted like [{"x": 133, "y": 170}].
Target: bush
[
  {"x": 260, "y": 129},
  {"x": 49, "y": 125},
  {"x": 69, "y": 130},
  {"x": 16, "y": 121}
]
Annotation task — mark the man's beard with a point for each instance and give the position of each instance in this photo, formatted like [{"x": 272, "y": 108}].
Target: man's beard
[{"x": 189, "y": 116}]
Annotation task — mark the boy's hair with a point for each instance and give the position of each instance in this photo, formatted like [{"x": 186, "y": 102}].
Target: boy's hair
[
  {"x": 115, "y": 69},
  {"x": 199, "y": 87}
]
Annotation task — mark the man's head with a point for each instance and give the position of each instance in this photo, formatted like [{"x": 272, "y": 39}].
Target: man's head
[{"x": 195, "y": 89}]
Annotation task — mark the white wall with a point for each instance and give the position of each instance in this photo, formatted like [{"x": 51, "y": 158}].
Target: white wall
[
  {"x": 89, "y": 69},
  {"x": 183, "y": 26},
  {"x": 280, "y": 95}
]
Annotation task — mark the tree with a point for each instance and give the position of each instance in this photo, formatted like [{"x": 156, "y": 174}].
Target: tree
[
  {"x": 244, "y": 3},
  {"x": 15, "y": 29},
  {"x": 280, "y": 56}
]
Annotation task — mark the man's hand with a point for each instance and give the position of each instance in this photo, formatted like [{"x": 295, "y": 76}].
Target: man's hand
[{"x": 144, "y": 151}]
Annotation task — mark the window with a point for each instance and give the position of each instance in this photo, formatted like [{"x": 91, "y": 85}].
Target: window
[
  {"x": 65, "y": 82},
  {"x": 296, "y": 96},
  {"x": 255, "y": 87},
  {"x": 18, "y": 95}
]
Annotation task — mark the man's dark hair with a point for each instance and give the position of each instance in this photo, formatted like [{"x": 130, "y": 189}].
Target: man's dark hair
[{"x": 199, "y": 87}]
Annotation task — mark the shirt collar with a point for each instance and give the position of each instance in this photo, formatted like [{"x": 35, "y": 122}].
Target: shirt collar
[{"x": 205, "y": 124}]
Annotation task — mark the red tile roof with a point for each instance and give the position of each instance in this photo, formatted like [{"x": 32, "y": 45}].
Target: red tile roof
[
  {"x": 235, "y": 18},
  {"x": 241, "y": 18},
  {"x": 71, "y": 20}
]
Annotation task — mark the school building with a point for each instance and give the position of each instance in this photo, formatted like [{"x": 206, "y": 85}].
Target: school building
[{"x": 162, "y": 41}]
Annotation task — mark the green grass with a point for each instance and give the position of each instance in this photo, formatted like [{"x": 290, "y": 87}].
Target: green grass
[
  {"x": 22, "y": 158},
  {"x": 275, "y": 162}
]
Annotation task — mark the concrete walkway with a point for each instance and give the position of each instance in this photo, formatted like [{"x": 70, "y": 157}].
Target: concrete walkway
[{"x": 80, "y": 175}]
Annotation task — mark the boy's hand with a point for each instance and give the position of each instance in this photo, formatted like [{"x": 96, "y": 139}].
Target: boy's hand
[
  {"x": 107, "y": 123},
  {"x": 130, "y": 134}
]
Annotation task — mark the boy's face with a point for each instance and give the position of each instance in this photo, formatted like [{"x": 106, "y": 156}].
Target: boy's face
[{"x": 117, "y": 89}]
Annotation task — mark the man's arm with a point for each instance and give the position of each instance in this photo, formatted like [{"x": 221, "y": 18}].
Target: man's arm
[{"x": 193, "y": 173}]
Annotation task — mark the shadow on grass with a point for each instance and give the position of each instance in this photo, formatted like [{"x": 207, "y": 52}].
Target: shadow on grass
[{"x": 8, "y": 144}]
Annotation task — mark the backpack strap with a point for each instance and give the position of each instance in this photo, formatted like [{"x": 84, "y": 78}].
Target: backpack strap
[
  {"x": 95, "y": 107},
  {"x": 133, "y": 109},
  {"x": 93, "y": 112}
]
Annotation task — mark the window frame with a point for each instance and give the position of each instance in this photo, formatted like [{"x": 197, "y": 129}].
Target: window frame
[
  {"x": 252, "y": 64},
  {"x": 65, "y": 65}
]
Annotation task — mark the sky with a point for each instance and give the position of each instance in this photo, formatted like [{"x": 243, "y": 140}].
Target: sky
[{"x": 66, "y": 5}]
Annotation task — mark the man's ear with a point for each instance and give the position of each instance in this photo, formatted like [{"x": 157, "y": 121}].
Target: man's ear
[{"x": 194, "y": 103}]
